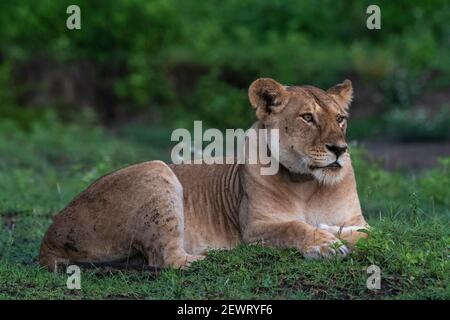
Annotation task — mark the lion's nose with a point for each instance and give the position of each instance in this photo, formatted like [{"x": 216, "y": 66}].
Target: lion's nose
[{"x": 337, "y": 149}]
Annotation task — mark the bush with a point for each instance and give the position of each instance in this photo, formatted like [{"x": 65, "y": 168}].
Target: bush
[{"x": 195, "y": 59}]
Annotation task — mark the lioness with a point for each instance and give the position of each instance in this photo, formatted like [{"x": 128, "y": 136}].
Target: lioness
[{"x": 170, "y": 215}]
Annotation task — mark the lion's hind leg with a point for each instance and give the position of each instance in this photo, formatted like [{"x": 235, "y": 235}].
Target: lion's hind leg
[{"x": 161, "y": 239}]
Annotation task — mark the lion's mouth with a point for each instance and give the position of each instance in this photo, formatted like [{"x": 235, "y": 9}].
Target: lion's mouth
[{"x": 332, "y": 166}]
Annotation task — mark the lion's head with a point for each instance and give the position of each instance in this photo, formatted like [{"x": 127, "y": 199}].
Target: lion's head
[{"x": 311, "y": 123}]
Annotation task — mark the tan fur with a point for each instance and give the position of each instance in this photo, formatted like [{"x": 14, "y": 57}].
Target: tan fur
[{"x": 172, "y": 215}]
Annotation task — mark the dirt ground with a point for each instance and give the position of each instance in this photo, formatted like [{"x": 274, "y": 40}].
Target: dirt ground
[{"x": 414, "y": 156}]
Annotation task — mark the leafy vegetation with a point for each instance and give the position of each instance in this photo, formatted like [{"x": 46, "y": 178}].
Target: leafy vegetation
[{"x": 178, "y": 62}]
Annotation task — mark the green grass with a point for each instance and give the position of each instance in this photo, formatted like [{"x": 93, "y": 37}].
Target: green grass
[{"x": 43, "y": 168}]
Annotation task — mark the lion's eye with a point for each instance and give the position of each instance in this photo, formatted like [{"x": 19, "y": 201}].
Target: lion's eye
[
  {"x": 340, "y": 119},
  {"x": 307, "y": 117}
]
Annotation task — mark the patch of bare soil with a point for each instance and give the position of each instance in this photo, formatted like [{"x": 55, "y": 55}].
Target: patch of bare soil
[
  {"x": 413, "y": 156},
  {"x": 9, "y": 219}
]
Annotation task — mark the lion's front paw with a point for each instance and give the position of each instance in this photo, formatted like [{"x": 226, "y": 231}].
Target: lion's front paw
[
  {"x": 350, "y": 234},
  {"x": 325, "y": 245}
]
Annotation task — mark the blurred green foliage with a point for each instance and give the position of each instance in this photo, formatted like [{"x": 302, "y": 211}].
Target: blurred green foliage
[{"x": 186, "y": 60}]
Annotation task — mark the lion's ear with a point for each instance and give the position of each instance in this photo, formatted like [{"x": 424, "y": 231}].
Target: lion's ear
[
  {"x": 267, "y": 96},
  {"x": 343, "y": 93}
]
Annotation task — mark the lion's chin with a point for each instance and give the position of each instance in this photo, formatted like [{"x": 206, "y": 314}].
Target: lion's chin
[{"x": 329, "y": 176}]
